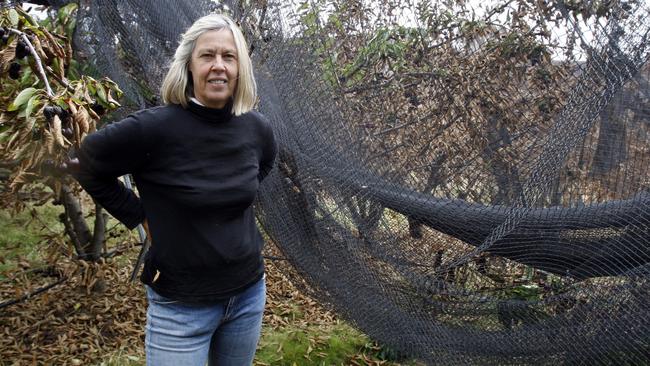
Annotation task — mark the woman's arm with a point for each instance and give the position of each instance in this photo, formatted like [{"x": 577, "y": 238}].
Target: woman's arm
[
  {"x": 269, "y": 150},
  {"x": 113, "y": 151}
]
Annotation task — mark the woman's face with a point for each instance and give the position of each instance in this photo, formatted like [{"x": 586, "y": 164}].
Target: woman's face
[{"x": 214, "y": 68}]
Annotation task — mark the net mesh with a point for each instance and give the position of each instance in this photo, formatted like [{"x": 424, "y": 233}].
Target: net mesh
[{"x": 465, "y": 186}]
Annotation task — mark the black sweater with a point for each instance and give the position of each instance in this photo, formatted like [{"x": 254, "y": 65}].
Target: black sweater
[{"x": 197, "y": 171}]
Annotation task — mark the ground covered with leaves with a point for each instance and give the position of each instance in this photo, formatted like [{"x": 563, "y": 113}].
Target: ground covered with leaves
[{"x": 95, "y": 316}]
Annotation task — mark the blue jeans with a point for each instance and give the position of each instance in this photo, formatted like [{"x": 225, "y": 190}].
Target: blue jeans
[{"x": 224, "y": 334}]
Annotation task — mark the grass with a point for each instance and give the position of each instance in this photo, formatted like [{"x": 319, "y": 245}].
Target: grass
[
  {"x": 317, "y": 345},
  {"x": 21, "y": 236},
  {"x": 122, "y": 358},
  {"x": 313, "y": 345}
]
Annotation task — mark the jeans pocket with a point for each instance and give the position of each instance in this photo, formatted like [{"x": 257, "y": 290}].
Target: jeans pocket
[{"x": 156, "y": 298}]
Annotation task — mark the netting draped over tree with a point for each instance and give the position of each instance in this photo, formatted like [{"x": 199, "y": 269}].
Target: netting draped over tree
[{"x": 465, "y": 186}]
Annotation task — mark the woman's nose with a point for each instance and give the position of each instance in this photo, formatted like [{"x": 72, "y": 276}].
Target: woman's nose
[{"x": 218, "y": 64}]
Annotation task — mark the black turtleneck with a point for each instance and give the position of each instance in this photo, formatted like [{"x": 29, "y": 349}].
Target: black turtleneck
[{"x": 197, "y": 171}]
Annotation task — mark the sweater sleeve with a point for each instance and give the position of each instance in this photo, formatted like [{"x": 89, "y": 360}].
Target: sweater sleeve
[
  {"x": 269, "y": 150},
  {"x": 113, "y": 151}
]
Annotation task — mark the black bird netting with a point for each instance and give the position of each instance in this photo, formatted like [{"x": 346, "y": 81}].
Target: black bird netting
[{"x": 466, "y": 183}]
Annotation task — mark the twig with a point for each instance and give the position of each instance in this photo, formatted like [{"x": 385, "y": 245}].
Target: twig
[
  {"x": 39, "y": 63},
  {"x": 48, "y": 270},
  {"x": 260, "y": 24},
  {"x": 274, "y": 258},
  {"x": 59, "y": 80},
  {"x": 32, "y": 294},
  {"x": 120, "y": 250},
  {"x": 405, "y": 124},
  {"x": 391, "y": 129}
]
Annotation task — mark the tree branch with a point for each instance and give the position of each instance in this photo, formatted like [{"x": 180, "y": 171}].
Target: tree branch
[
  {"x": 98, "y": 233},
  {"x": 39, "y": 63},
  {"x": 75, "y": 215}
]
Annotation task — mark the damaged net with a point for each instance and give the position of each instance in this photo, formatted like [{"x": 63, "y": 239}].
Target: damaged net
[{"x": 466, "y": 184}]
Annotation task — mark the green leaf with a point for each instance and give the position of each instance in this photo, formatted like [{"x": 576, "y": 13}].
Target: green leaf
[
  {"x": 61, "y": 103},
  {"x": 69, "y": 28},
  {"x": 65, "y": 13},
  {"x": 21, "y": 99},
  {"x": 13, "y": 17},
  {"x": 69, "y": 9},
  {"x": 101, "y": 93},
  {"x": 34, "y": 28},
  {"x": 5, "y": 133},
  {"x": 30, "y": 20},
  {"x": 33, "y": 102}
]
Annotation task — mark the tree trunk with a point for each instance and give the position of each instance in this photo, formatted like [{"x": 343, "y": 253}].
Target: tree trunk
[{"x": 87, "y": 245}]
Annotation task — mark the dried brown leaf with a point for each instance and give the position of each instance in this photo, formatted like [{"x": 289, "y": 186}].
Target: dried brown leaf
[
  {"x": 48, "y": 139},
  {"x": 39, "y": 49},
  {"x": 56, "y": 129},
  {"x": 81, "y": 118}
]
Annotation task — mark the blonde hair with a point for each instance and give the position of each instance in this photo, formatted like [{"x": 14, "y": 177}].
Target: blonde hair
[{"x": 177, "y": 86}]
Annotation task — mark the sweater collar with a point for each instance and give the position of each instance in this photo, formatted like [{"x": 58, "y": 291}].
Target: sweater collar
[{"x": 211, "y": 114}]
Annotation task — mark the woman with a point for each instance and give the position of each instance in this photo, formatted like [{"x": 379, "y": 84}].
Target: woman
[{"x": 197, "y": 162}]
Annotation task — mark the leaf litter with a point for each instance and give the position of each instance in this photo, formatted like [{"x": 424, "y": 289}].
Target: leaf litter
[{"x": 81, "y": 323}]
